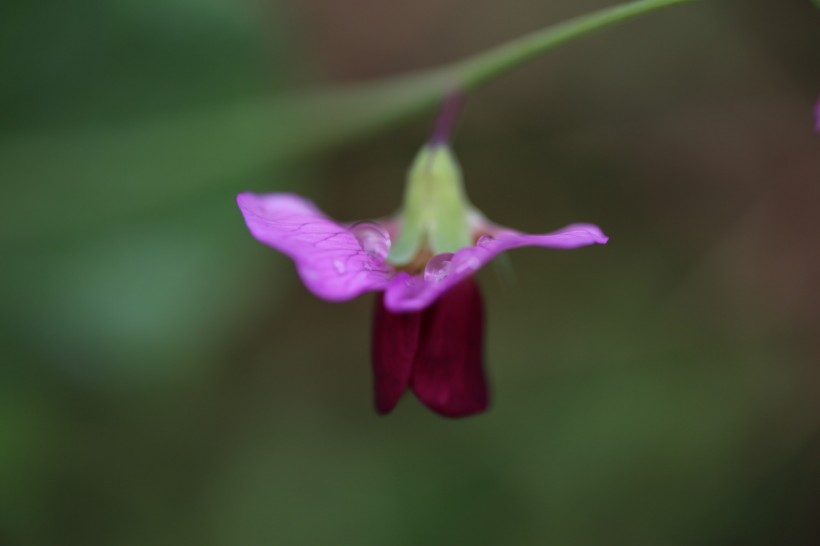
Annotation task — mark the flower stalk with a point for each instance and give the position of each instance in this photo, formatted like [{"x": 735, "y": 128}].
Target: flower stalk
[
  {"x": 491, "y": 64},
  {"x": 447, "y": 117}
]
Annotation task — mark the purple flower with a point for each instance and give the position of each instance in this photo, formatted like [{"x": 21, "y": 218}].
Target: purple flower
[{"x": 428, "y": 321}]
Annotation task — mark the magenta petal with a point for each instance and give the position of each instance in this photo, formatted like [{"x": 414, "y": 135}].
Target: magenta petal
[
  {"x": 448, "y": 372},
  {"x": 817, "y": 116},
  {"x": 569, "y": 237},
  {"x": 332, "y": 262},
  {"x": 395, "y": 339},
  {"x": 412, "y": 293}
]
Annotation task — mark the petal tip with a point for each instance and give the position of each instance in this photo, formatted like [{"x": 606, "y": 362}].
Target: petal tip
[
  {"x": 595, "y": 233},
  {"x": 384, "y": 410},
  {"x": 247, "y": 199}
]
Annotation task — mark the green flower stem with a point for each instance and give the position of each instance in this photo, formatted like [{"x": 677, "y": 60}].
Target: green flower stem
[
  {"x": 496, "y": 62},
  {"x": 364, "y": 108}
]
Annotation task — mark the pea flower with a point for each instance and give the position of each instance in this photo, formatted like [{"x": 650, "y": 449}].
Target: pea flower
[{"x": 428, "y": 320}]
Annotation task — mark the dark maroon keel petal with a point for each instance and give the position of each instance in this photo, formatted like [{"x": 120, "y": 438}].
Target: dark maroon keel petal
[
  {"x": 395, "y": 340},
  {"x": 448, "y": 371}
]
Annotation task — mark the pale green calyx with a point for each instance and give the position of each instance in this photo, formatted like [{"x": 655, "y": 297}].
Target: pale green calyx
[{"x": 435, "y": 210}]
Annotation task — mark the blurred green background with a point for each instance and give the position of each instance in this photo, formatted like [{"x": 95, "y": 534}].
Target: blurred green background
[{"x": 165, "y": 379}]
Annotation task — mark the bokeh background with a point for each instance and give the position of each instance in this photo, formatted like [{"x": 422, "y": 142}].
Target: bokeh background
[{"x": 164, "y": 379}]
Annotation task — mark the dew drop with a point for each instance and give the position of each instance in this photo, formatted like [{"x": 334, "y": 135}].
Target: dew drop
[
  {"x": 438, "y": 267},
  {"x": 339, "y": 266},
  {"x": 373, "y": 238},
  {"x": 484, "y": 240}
]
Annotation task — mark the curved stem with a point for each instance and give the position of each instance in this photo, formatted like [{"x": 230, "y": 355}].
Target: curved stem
[
  {"x": 366, "y": 107},
  {"x": 489, "y": 65}
]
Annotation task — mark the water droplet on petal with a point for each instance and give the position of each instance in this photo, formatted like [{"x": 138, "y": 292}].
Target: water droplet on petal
[
  {"x": 484, "y": 240},
  {"x": 438, "y": 267},
  {"x": 373, "y": 238},
  {"x": 339, "y": 266}
]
